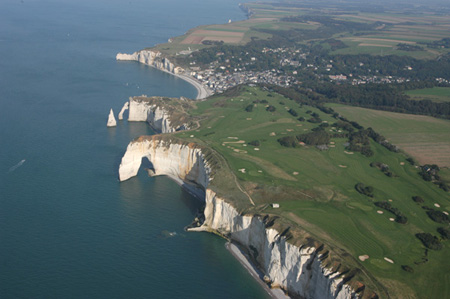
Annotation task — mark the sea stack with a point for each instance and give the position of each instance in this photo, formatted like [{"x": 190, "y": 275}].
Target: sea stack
[{"x": 111, "y": 119}]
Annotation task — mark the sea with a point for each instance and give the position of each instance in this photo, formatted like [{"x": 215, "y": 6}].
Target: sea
[{"x": 68, "y": 227}]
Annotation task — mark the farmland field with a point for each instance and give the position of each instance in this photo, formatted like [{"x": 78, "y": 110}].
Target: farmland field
[
  {"x": 436, "y": 94},
  {"x": 396, "y": 28},
  {"x": 425, "y": 138}
]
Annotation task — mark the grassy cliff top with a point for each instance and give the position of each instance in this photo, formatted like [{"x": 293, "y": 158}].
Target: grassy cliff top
[{"x": 317, "y": 193}]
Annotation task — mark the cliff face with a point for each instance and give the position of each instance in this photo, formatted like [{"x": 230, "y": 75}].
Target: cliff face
[
  {"x": 155, "y": 114},
  {"x": 182, "y": 162},
  {"x": 151, "y": 58},
  {"x": 297, "y": 269}
]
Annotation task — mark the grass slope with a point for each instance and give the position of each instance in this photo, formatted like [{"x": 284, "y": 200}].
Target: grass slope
[
  {"x": 316, "y": 191},
  {"x": 435, "y": 94},
  {"x": 425, "y": 138}
]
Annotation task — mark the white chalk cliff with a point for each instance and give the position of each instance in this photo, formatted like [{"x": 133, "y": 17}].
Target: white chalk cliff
[
  {"x": 124, "y": 108},
  {"x": 151, "y": 58},
  {"x": 155, "y": 114},
  {"x": 298, "y": 270},
  {"x": 111, "y": 119}
]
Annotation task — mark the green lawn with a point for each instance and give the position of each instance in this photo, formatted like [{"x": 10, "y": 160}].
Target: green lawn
[
  {"x": 316, "y": 188},
  {"x": 435, "y": 94}
]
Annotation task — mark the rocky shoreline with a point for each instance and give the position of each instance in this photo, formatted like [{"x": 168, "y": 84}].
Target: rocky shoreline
[
  {"x": 299, "y": 270},
  {"x": 154, "y": 59}
]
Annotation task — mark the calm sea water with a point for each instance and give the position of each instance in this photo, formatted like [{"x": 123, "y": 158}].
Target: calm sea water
[{"x": 68, "y": 228}]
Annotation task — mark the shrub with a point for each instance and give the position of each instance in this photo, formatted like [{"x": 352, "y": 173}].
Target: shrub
[
  {"x": 407, "y": 268},
  {"x": 293, "y": 112},
  {"x": 361, "y": 188},
  {"x": 418, "y": 199},
  {"x": 315, "y": 138},
  {"x": 288, "y": 141},
  {"x": 249, "y": 108},
  {"x": 401, "y": 219},
  {"x": 271, "y": 108},
  {"x": 437, "y": 216},
  {"x": 301, "y": 118},
  {"x": 429, "y": 241},
  {"x": 315, "y": 120},
  {"x": 255, "y": 143},
  {"x": 445, "y": 232},
  {"x": 410, "y": 161},
  {"x": 367, "y": 151}
]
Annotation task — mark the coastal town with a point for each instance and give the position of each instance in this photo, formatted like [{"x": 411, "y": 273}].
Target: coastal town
[{"x": 291, "y": 65}]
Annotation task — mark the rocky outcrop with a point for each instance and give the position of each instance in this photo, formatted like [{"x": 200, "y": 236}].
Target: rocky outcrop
[
  {"x": 151, "y": 58},
  {"x": 111, "y": 119},
  {"x": 157, "y": 113},
  {"x": 184, "y": 163},
  {"x": 124, "y": 108},
  {"x": 299, "y": 270}
]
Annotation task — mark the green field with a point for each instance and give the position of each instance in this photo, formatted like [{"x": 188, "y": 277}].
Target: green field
[
  {"x": 398, "y": 27},
  {"x": 425, "y": 138},
  {"x": 316, "y": 189},
  {"x": 436, "y": 94}
]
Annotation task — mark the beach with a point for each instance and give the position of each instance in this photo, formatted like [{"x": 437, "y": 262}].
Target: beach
[
  {"x": 254, "y": 272},
  {"x": 202, "y": 91}
]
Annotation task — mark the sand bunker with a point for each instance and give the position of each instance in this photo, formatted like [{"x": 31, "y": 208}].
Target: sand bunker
[
  {"x": 232, "y": 138},
  {"x": 388, "y": 260},
  {"x": 295, "y": 173},
  {"x": 256, "y": 149},
  {"x": 348, "y": 153},
  {"x": 402, "y": 163},
  {"x": 362, "y": 258},
  {"x": 437, "y": 205},
  {"x": 242, "y": 170},
  {"x": 380, "y": 212},
  {"x": 391, "y": 219},
  {"x": 238, "y": 142},
  {"x": 446, "y": 213},
  {"x": 249, "y": 118},
  {"x": 343, "y": 166},
  {"x": 272, "y": 134}
]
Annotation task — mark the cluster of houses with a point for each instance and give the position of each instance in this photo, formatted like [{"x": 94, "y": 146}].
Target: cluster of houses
[
  {"x": 220, "y": 77},
  {"x": 218, "y": 82}
]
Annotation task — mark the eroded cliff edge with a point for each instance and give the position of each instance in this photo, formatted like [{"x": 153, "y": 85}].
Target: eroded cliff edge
[
  {"x": 307, "y": 270},
  {"x": 152, "y": 58},
  {"x": 164, "y": 115}
]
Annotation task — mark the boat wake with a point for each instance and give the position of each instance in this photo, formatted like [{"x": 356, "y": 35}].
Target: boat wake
[{"x": 16, "y": 166}]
